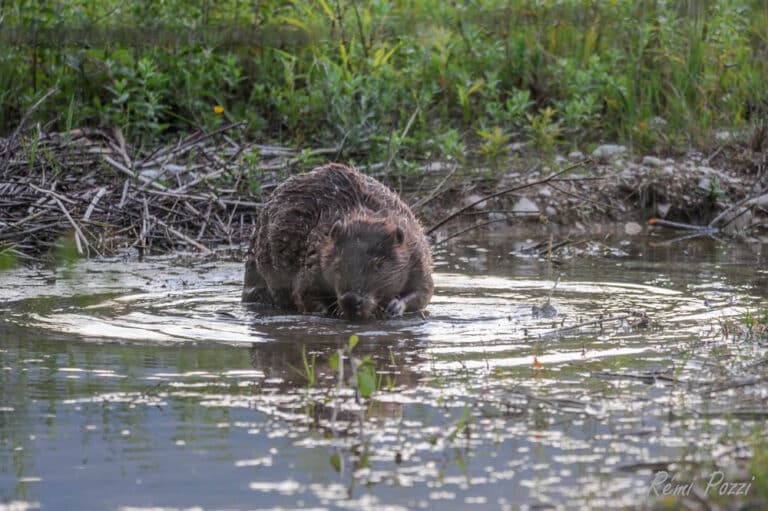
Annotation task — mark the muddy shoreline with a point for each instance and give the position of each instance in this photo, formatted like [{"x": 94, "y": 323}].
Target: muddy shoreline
[{"x": 87, "y": 189}]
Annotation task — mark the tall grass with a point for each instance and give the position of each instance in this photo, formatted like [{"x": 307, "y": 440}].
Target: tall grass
[{"x": 374, "y": 75}]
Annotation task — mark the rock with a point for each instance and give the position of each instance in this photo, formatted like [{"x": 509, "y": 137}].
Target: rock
[
  {"x": 550, "y": 212},
  {"x": 761, "y": 201},
  {"x": 662, "y": 209},
  {"x": 724, "y": 136},
  {"x": 469, "y": 199},
  {"x": 525, "y": 206},
  {"x": 608, "y": 151},
  {"x": 705, "y": 183},
  {"x": 546, "y": 310},
  {"x": 652, "y": 161},
  {"x": 545, "y": 193},
  {"x": 575, "y": 155},
  {"x": 150, "y": 174},
  {"x": 632, "y": 228},
  {"x": 498, "y": 220}
]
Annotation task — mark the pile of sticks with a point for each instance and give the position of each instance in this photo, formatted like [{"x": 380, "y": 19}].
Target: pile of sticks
[{"x": 87, "y": 185}]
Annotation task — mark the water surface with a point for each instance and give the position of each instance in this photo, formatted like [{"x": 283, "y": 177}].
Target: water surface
[{"x": 535, "y": 383}]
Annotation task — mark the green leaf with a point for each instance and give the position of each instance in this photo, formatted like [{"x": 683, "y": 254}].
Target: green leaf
[
  {"x": 353, "y": 340},
  {"x": 334, "y": 361},
  {"x": 336, "y": 462},
  {"x": 366, "y": 383},
  {"x": 327, "y": 9}
]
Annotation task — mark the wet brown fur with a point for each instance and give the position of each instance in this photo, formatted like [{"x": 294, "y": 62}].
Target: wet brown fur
[{"x": 335, "y": 240}]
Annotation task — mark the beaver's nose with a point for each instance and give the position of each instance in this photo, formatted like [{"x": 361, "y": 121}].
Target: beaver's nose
[{"x": 351, "y": 303}]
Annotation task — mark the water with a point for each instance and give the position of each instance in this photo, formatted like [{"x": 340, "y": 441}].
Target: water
[{"x": 147, "y": 385}]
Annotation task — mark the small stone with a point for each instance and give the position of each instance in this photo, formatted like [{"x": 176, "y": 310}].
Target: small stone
[
  {"x": 498, "y": 220},
  {"x": 469, "y": 199},
  {"x": 723, "y": 136},
  {"x": 575, "y": 155},
  {"x": 545, "y": 193},
  {"x": 525, "y": 206},
  {"x": 652, "y": 161},
  {"x": 705, "y": 183},
  {"x": 150, "y": 174},
  {"x": 662, "y": 209},
  {"x": 632, "y": 228},
  {"x": 560, "y": 159},
  {"x": 608, "y": 151},
  {"x": 550, "y": 212}
]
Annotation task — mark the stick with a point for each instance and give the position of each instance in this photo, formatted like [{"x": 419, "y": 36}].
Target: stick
[
  {"x": 471, "y": 227},
  {"x": 93, "y": 203},
  {"x": 434, "y": 193},
  {"x": 183, "y": 236},
  {"x": 545, "y": 180},
  {"x": 78, "y": 232},
  {"x": 15, "y": 134},
  {"x": 127, "y": 171},
  {"x": 682, "y": 226},
  {"x": 745, "y": 201}
]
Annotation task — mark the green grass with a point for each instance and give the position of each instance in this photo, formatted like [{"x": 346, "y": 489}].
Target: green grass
[{"x": 391, "y": 79}]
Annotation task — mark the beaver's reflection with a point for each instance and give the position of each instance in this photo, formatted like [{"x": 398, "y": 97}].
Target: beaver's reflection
[{"x": 283, "y": 364}]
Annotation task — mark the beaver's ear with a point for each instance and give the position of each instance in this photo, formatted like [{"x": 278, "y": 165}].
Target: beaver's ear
[
  {"x": 337, "y": 229},
  {"x": 397, "y": 236}
]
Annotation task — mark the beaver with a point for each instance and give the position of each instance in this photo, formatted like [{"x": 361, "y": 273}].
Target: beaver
[{"x": 336, "y": 241}]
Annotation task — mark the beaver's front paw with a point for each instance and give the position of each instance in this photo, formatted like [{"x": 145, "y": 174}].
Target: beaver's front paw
[{"x": 395, "y": 308}]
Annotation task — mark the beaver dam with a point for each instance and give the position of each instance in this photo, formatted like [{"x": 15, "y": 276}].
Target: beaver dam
[{"x": 620, "y": 369}]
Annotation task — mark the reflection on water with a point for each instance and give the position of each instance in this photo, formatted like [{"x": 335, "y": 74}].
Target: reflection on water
[{"x": 148, "y": 385}]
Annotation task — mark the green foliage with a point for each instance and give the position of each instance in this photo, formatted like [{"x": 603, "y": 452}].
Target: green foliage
[
  {"x": 366, "y": 376},
  {"x": 7, "y": 258},
  {"x": 543, "y": 129},
  {"x": 494, "y": 142},
  {"x": 388, "y": 78},
  {"x": 759, "y": 467}
]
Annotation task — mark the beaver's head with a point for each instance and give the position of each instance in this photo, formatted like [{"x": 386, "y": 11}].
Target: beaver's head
[{"x": 366, "y": 262}]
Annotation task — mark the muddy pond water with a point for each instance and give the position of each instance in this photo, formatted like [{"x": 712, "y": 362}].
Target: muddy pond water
[{"x": 566, "y": 383}]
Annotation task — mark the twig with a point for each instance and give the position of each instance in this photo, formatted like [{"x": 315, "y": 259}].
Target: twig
[
  {"x": 683, "y": 226},
  {"x": 747, "y": 201},
  {"x": 183, "y": 236},
  {"x": 407, "y": 128},
  {"x": 419, "y": 204},
  {"x": 93, "y": 203},
  {"x": 125, "y": 170},
  {"x": 470, "y": 228},
  {"x": 22, "y": 122},
  {"x": 78, "y": 232},
  {"x": 545, "y": 180}
]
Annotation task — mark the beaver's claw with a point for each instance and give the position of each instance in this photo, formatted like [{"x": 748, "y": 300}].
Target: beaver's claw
[{"x": 395, "y": 309}]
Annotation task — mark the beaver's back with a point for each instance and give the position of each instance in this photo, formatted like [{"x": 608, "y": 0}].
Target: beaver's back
[{"x": 320, "y": 196}]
